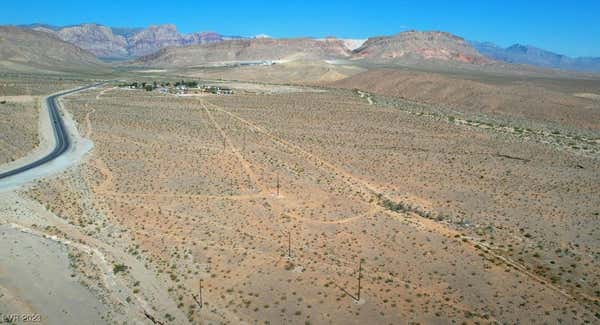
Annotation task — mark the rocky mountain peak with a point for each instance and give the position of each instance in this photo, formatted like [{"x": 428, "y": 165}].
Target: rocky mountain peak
[{"x": 107, "y": 42}]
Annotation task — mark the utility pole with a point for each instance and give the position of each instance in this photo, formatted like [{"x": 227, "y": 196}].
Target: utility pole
[
  {"x": 290, "y": 244},
  {"x": 198, "y": 298},
  {"x": 200, "y": 293},
  {"x": 277, "y": 184},
  {"x": 359, "y": 276}
]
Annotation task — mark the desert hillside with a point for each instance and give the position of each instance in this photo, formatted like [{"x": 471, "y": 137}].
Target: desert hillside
[
  {"x": 511, "y": 96},
  {"x": 248, "y": 50},
  {"x": 418, "y": 45},
  {"x": 25, "y": 50}
]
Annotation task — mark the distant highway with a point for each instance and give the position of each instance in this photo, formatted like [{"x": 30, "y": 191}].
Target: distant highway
[{"x": 60, "y": 134}]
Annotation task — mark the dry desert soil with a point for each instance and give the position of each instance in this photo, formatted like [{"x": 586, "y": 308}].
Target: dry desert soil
[{"x": 261, "y": 206}]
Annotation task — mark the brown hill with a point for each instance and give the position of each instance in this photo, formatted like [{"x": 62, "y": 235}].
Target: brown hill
[
  {"x": 293, "y": 72},
  {"x": 25, "y": 50},
  {"x": 536, "y": 99},
  {"x": 247, "y": 50},
  {"x": 416, "y": 45},
  {"x": 107, "y": 42}
]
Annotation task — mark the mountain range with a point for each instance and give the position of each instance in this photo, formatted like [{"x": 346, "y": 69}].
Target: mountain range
[
  {"x": 531, "y": 55},
  {"x": 114, "y": 43},
  {"x": 165, "y": 45},
  {"x": 412, "y": 47}
]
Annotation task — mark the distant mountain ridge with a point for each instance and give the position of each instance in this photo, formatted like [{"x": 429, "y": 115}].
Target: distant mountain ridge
[
  {"x": 28, "y": 50},
  {"x": 405, "y": 47},
  {"x": 120, "y": 42},
  {"x": 252, "y": 49},
  {"x": 531, "y": 55},
  {"x": 410, "y": 47},
  {"x": 418, "y": 46}
]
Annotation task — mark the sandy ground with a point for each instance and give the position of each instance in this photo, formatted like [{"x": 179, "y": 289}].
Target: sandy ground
[
  {"x": 296, "y": 72},
  {"x": 90, "y": 263},
  {"x": 35, "y": 277},
  {"x": 186, "y": 189},
  {"x": 35, "y": 272},
  {"x": 552, "y": 103},
  {"x": 19, "y": 98},
  {"x": 18, "y": 117},
  {"x": 587, "y": 95},
  {"x": 46, "y": 140},
  {"x": 186, "y": 186}
]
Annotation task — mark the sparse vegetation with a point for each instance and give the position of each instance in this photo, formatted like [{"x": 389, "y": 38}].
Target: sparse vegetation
[
  {"x": 119, "y": 268},
  {"x": 187, "y": 186}
]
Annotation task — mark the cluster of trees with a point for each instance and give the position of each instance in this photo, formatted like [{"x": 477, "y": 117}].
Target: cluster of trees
[
  {"x": 156, "y": 84},
  {"x": 140, "y": 85},
  {"x": 189, "y": 84}
]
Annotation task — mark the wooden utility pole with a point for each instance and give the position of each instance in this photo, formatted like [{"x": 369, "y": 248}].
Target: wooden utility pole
[
  {"x": 198, "y": 298},
  {"x": 290, "y": 244},
  {"x": 359, "y": 276},
  {"x": 277, "y": 184},
  {"x": 200, "y": 293}
]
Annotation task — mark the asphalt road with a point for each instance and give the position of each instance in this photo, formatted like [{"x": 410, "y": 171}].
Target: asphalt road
[{"x": 60, "y": 134}]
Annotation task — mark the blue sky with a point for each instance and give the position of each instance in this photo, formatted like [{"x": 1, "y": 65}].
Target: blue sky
[{"x": 567, "y": 27}]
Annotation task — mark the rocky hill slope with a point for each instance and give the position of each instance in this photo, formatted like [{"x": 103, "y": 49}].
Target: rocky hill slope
[
  {"x": 26, "y": 50},
  {"x": 256, "y": 49},
  {"x": 107, "y": 42},
  {"x": 418, "y": 46}
]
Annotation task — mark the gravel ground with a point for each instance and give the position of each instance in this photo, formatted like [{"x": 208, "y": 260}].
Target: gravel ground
[{"x": 37, "y": 271}]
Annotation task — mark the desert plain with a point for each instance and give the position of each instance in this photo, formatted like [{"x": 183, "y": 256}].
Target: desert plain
[{"x": 262, "y": 206}]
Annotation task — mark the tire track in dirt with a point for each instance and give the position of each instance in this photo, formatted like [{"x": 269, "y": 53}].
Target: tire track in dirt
[
  {"x": 372, "y": 194},
  {"x": 247, "y": 168}
]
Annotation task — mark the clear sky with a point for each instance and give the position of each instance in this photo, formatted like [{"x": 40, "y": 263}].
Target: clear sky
[{"x": 566, "y": 27}]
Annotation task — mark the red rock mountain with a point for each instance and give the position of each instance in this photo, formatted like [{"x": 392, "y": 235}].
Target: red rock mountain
[{"x": 415, "y": 45}]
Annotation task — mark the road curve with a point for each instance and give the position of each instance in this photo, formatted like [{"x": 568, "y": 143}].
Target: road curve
[{"x": 60, "y": 134}]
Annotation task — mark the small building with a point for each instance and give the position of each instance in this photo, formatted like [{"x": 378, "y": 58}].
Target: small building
[{"x": 217, "y": 90}]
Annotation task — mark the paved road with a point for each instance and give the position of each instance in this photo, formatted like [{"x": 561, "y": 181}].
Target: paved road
[{"x": 60, "y": 134}]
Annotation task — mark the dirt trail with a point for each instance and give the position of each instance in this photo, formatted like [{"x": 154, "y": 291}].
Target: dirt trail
[
  {"x": 350, "y": 179},
  {"x": 241, "y": 197},
  {"x": 244, "y": 162},
  {"x": 31, "y": 217},
  {"x": 370, "y": 192},
  {"x": 36, "y": 272}
]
